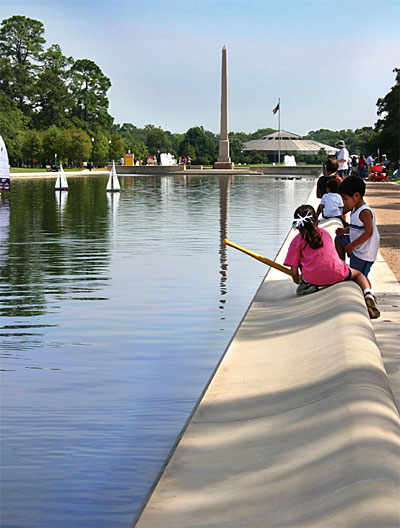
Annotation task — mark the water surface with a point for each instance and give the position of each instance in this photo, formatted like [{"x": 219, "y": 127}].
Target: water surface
[{"x": 115, "y": 309}]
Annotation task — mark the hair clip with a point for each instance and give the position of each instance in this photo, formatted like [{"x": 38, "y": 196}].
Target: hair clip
[{"x": 301, "y": 220}]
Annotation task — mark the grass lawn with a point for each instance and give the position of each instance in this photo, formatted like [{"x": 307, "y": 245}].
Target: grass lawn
[{"x": 28, "y": 169}]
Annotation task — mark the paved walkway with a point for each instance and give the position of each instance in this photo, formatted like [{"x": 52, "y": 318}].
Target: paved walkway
[{"x": 299, "y": 425}]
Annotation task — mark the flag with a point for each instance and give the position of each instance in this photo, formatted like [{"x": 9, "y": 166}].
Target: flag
[{"x": 275, "y": 109}]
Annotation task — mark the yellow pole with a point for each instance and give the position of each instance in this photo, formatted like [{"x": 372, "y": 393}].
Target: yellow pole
[{"x": 265, "y": 260}]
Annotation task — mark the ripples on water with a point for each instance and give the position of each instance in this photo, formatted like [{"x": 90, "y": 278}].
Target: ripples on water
[{"x": 115, "y": 310}]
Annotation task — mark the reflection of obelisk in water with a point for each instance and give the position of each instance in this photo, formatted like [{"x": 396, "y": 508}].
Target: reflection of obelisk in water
[
  {"x": 223, "y": 223},
  {"x": 224, "y": 161}
]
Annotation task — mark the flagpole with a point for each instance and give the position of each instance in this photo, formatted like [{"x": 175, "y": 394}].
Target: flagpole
[{"x": 279, "y": 126}]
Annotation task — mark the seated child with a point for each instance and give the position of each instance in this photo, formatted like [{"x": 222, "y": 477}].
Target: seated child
[
  {"x": 331, "y": 204},
  {"x": 360, "y": 240},
  {"x": 331, "y": 166},
  {"x": 313, "y": 251}
]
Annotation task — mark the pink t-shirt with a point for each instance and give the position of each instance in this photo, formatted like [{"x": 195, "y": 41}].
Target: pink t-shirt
[{"x": 318, "y": 266}]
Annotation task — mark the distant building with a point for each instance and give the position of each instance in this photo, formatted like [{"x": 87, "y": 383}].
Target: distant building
[{"x": 287, "y": 143}]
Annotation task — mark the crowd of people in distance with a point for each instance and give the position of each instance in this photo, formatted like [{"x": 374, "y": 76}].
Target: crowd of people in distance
[
  {"x": 315, "y": 260},
  {"x": 369, "y": 168},
  {"x": 183, "y": 160}
]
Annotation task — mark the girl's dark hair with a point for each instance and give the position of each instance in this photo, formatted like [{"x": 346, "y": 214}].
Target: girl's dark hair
[
  {"x": 332, "y": 185},
  {"x": 308, "y": 230},
  {"x": 331, "y": 165}
]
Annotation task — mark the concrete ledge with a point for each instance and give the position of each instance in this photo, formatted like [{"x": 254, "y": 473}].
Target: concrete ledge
[
  {"x": 298, "y": 170},
  {"x": 298, "y": 426},
  {"x": 151, "y": 170}
]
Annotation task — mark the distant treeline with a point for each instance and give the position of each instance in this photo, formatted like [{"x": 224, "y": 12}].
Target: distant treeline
[{"x": 55, "y": 108}]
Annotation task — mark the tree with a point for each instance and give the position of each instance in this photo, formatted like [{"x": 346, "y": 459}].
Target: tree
[
  {"x": 235, "y": 147},
  {"x": 356, "y": 141},
  {"x": 130, "y": 132},
  {"x": 81, "y": 145},
  {"x": 53, "y": 98},
  {"x": 204, "y": 144},
  {"x": 117, "y": 147},
  {"x": 66, "y": 150},
  {"x": 13, "y": 124},
  {"x": 100, "y": 152},
  {"x": 89, "y": 88},
  {"x": 21, "y": 42},
  {"x": 156, "y": 140},
  {"x": 261, "y": 132},
  {"x": 138, "y": 148},
  {"x": 32, "y": 146},
  {"x": 388, "y": 126},
  {"x": 52, "y": 144}
]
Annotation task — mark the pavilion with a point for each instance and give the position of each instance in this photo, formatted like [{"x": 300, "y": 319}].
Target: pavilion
[{"x": 288, "y": 143}]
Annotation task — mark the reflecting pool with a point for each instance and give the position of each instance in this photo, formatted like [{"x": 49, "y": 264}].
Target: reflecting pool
[{"x": 115, "y": 309}]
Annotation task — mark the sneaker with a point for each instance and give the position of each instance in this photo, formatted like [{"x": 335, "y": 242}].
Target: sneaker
[
  {"x": 373, "y": 309},
  {"x": 305, "y": 287}
]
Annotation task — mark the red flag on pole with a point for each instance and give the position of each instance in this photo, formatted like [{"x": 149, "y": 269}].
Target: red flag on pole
[{"x": 275, "y": 109}]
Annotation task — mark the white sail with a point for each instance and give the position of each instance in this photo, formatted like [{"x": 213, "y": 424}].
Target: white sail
[
  {"x": 61, "y": 181},
  {"x": 113, "y": 182},
  {"x": 61, "y": 199},
  {"x": 57, "y": 185},
  {"x": 4, "y": 167}
]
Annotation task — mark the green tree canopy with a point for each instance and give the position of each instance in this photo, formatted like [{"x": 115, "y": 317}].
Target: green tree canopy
[
  {"x": 52, "y": 144},
  {"x": 356, "y": 141},
  {"x": 80, "y": 147},
  {"x": 388, "y": 126},
  {"x": 21, "y": 42},
  {"x": 156, "y": 139},
  {"x": 32, "y": 146},
  {"x": 204, "y": 145},
  {"x": 138, "y": 147},
  {"x": 101, "y": 147},
  {"x": 13, "y": 124},
  {"x": 89, "y": 88},
  {"x": 117, "y": 147},
  {"x": 53, "y": 100}
]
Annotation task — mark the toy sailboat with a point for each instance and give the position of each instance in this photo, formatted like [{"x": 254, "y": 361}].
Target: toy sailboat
[
  {"x": 61, "y": 181},
  {"x": 113, "y": 182},
  {"x": 4, "y": 167}
]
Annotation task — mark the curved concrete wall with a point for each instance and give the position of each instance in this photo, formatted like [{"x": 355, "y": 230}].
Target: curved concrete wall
[{"x": 298, "y": 426}]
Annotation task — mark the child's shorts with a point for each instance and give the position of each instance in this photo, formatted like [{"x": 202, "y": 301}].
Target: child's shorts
[{"x": 356, "y": 263}]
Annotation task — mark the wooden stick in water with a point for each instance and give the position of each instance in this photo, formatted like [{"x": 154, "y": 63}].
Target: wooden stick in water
[{"x": 265, "y": 260}]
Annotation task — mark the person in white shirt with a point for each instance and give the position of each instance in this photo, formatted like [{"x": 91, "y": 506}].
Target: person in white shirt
[
  {"x": 370, "y": 163},
  {"x": 343, "y": 159},
  {"x": 331, "y": 205}
]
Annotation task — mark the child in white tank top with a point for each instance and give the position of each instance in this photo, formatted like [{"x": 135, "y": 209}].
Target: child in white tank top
[{"x": 360, "y": 240}]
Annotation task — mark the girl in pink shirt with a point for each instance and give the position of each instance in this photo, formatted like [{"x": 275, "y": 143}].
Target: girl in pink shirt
[{"x": 313, "y": 252}]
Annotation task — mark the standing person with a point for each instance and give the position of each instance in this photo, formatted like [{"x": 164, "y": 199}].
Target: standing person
[
  {"x": 312, "y": 251},
  {"x": 360, "y": 240},
  {"x": 343, "y": 159},
  {"x": 370, "y": 163},
  {"x": 354, "y": 165},
  {"x": 385, "y": 163},
  {"x": 361, "y": 166}
]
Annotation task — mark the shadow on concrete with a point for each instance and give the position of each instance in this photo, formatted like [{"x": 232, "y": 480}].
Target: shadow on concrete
[{"x": 297, "y": 428}]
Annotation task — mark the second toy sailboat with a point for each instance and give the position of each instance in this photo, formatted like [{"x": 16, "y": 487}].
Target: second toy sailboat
[
  {"x": 61, "y": 181},
  {"x": 113, "y": 182}
]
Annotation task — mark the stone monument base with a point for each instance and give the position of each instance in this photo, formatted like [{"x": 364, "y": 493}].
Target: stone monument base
[{"x": 224, "y": 165}]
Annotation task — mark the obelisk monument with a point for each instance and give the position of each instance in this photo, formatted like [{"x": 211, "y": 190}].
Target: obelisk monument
[{"x": 224, "y": 161}]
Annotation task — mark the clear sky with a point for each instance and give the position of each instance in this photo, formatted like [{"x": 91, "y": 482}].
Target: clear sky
[{"x": 328, "y": 60}]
